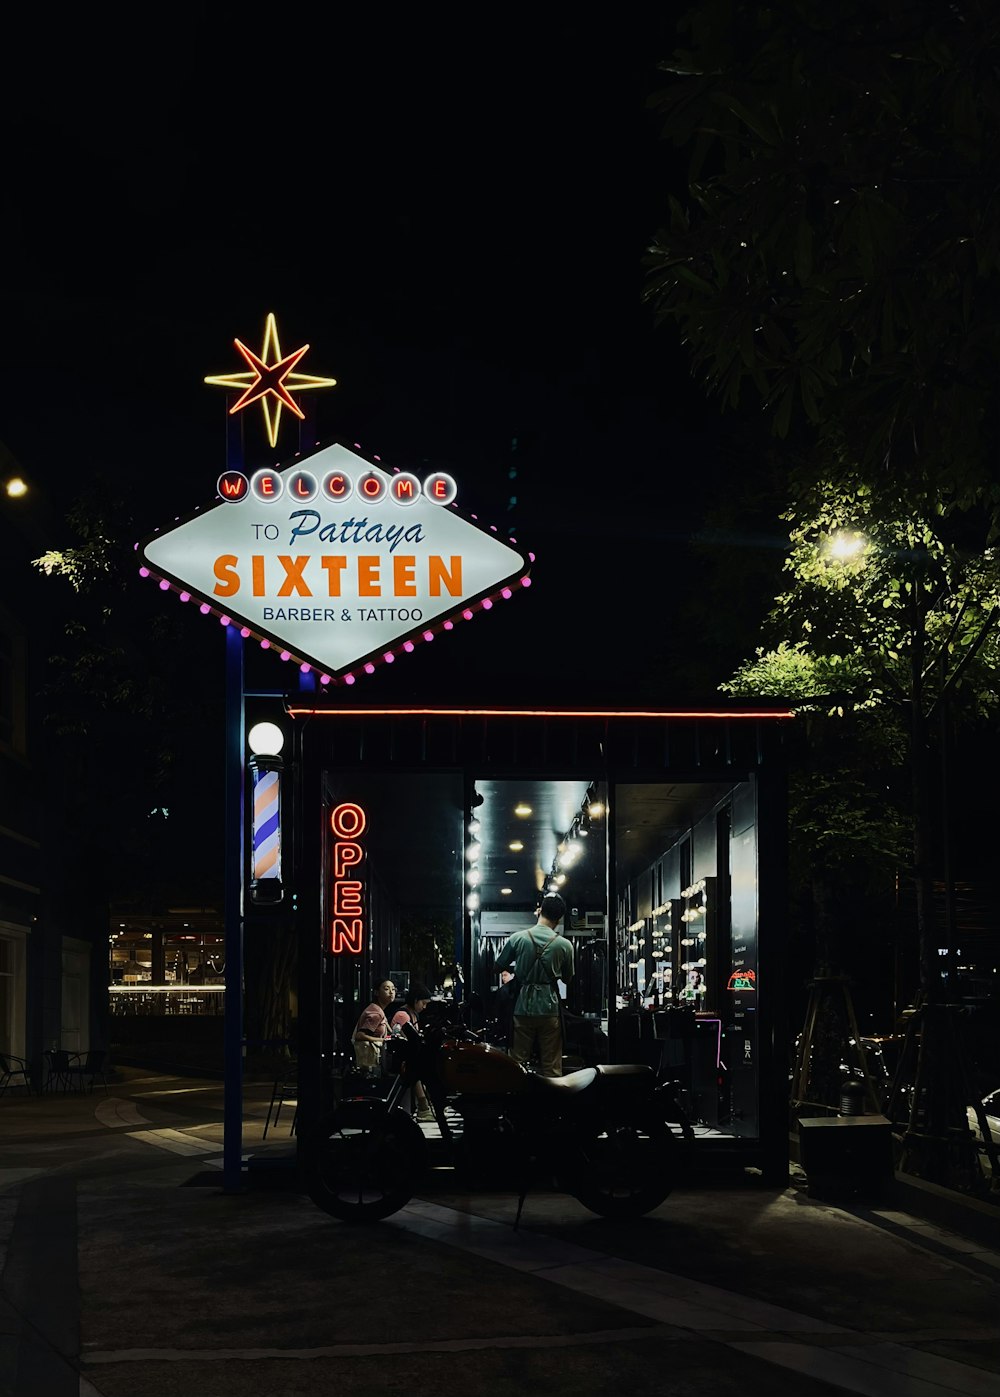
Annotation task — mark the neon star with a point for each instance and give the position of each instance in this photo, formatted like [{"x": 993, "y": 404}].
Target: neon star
[{"x": 270, "y": 377}]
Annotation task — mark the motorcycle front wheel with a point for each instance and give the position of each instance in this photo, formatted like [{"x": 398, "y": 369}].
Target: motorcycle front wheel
[
  {"x": 364, "y": 1161},
  {"x": 625, "y": 1170}
]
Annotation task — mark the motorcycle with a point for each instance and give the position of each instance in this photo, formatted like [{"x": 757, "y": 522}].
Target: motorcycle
[{"x": 602, "y": 1134}]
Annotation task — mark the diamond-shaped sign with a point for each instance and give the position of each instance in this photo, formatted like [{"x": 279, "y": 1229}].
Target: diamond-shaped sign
[{"x": 335, "y": 561}]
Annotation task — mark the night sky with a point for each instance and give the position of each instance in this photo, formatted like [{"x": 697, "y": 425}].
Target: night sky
[{"x": 454, "y": 219}]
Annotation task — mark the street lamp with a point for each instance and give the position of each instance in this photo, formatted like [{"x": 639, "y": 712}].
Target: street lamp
[
  {"x": 265, "y": 741},
  {"x": 846, "y": 544}
]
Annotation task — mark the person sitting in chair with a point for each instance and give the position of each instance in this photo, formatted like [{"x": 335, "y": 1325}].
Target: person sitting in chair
[
  {"x": 415, "y": 1002},
  {"x": 372, "y": 1029}
]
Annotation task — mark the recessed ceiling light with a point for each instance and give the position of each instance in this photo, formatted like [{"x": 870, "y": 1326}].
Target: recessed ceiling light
[
  {"x": 510, "y": 871},
  {"x": 522, "y": 809},
  {"x": 506, "y": 891},
  {"x": 516, "y": 846}
]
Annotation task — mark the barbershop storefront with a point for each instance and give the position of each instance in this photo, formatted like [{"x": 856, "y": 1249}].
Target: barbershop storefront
[
  {"x": 664, "y": 832},
  {"x": 412, "y": 840}
]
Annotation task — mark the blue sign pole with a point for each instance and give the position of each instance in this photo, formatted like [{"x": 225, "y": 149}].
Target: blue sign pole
[{"x": 232, "y": 1119}]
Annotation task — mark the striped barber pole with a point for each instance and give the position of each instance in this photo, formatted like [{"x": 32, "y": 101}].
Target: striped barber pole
[{"x": 265, "y": 868}]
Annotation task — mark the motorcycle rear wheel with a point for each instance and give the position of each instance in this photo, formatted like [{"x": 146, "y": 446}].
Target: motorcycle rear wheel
[
  {"x": 365, "y": 1161},
  {"x": 625, "y": 1170}
]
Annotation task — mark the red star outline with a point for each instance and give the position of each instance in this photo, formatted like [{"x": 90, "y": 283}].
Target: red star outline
[
  {"x": 270, "y": 379},
  {"x": 265, "y": 381}
]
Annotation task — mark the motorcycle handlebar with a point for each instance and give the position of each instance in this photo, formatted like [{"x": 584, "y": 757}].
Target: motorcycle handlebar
[{"x": 439, "y": 1032}]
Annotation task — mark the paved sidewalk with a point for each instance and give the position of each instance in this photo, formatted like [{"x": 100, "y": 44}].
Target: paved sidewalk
[{"x": 128, "y": 1272}]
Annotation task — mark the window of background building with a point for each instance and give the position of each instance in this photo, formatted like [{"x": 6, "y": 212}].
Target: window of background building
[
  {"x": 6, "y": 994},
  {"x": 13, "y": 685},
  {"x": 166, "y": 971}
]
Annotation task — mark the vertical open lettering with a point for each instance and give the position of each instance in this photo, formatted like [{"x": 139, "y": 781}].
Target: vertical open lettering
[{"x": 347, "y": 929}]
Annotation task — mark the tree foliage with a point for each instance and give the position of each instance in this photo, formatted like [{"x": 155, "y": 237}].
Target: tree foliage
[
  {"x": 882, "y": 611},
  {"x": 839, "y": 248},
  {"x": 126, "y": 710},
  {"x": 887, "y": 625},
  {"x": 836, "y": 258}
]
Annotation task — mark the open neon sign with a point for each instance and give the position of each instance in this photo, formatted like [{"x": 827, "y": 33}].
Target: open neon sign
[{"x": 347, "y": 928}]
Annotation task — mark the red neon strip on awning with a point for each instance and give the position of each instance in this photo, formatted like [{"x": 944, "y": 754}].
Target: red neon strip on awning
[{"x": 779, "y": 713}]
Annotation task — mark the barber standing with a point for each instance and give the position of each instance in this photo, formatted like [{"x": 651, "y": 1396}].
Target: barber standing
[{"x": 541, "y": 957}]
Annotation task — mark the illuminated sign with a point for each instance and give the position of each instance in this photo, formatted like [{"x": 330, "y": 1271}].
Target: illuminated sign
[
  {"x": 347, "y": 910},
  {"x": 268, "y": 379},
  {"x": 336, "y": 562},
  {"x": 742, "y": 980}
]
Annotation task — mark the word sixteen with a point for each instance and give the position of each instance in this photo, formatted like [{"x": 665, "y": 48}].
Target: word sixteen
[{"x": 441, "y": 575}]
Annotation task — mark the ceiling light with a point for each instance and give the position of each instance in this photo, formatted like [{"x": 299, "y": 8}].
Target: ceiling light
[
  {"x": 510, "y": 871},
  {"x": 522, "y": 809},
  {"x": 506, "y": 891},
  {"x": 473, "y": 851},
  {"x": 515, "y": 846},
  {"x": 16, "y": 488},
  {"x": 596, "y": 809}
]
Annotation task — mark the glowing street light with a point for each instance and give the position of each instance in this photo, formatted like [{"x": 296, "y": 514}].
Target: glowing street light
[{"x": 846, "y": 544}]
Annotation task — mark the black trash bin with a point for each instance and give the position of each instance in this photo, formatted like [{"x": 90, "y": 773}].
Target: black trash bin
[{"x": 847, "y": 1157}]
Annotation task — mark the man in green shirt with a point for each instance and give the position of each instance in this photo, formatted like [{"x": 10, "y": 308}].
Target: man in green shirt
[{"x": 540, "y": 957}]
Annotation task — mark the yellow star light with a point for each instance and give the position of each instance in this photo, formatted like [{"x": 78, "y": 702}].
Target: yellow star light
[{"x": 270, "y": 376}]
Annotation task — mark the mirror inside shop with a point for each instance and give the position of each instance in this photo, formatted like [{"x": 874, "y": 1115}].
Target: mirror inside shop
[{"x": 660, "y": 886}]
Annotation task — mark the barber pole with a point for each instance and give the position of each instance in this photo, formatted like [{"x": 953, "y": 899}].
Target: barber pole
[{"x": 265, "y": 857}]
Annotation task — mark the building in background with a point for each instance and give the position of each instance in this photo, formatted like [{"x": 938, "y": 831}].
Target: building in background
[{"x": 52, "y": 932}]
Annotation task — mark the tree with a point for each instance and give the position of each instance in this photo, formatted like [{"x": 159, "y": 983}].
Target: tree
[
  {"x": 837, "y": 253},
  {"x": 887, "y": 620},
  {"x": 837, "y": 258},
  {"x": 126, "y": 707}
]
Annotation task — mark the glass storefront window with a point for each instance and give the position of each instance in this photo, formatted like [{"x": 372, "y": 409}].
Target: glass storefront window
[
  {"x": 527, "y": 838},
  {"x": 686, "y": 961},
  {"x": 166, "y": 970}
]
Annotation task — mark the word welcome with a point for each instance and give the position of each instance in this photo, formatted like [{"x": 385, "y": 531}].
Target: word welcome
[
  {"x": 284, "y": 575},
  {"x": 268, "y": 486},
  {"x": 347, "y": 927}
]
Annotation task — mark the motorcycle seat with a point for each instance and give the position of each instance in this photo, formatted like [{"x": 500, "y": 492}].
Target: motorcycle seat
[
  {"x": 569, "y": 1085},
  {"x": 624, "y": 1069}
]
